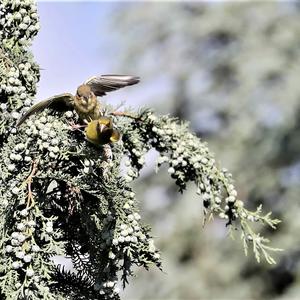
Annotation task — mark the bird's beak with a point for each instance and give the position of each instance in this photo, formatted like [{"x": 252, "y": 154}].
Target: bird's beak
[{"x": 102, "y": 127}]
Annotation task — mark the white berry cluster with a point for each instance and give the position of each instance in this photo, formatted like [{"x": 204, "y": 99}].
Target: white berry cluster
[
  {"x": 24, "y": 248},
  {"x": 43, "y": 134},
  {"x": 20, "y": 246},
  {"x": 18, "y": 155},
  {"x": 18, "y": 73},
  {"x": 189, "y": 159},
  {"x": 88, "y": 166},
  {"x": 17, "y": 80},
  {"x": 136, "y": 150},
  {"x": 27, "y": 73},
  {"x": 11, "y": 84},
  {"x": 130, "y": 233},
  {"x": 108, "y": 289},
  {"x": 123, "y": 242},
  {"x": 18, "y": 84},
  {"x": 18, "y": 21},
  {"x": 15, "y": 95}
]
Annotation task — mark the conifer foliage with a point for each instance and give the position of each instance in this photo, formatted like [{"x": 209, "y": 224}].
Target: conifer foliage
[{"x": 63, "y": 196}]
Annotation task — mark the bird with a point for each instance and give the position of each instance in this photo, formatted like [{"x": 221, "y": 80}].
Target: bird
[
  {"x": 102, "y": 131},
  {"x": 85, "y": 101}
]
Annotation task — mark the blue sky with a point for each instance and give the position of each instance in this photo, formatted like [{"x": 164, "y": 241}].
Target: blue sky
[{"x": 75, "y": 43}]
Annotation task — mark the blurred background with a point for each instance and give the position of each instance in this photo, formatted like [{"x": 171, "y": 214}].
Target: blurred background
[{"x": 233, "y": 70}]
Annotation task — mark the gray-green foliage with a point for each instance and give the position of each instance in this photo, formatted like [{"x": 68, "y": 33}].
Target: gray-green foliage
[
  {"x": 90, "y": 214},
  {"x": 233, "y": 69},
  {"x": 18, "y": 72},
  {"x": 61, "y": 195},
  {"x": 80, "y": 206}
]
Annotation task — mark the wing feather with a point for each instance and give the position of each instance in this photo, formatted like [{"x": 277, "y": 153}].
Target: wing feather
[
  {"x": 102, "y": 84},
  {"x": 62, "y": 102},
  {"x": 115, "y": 136}
]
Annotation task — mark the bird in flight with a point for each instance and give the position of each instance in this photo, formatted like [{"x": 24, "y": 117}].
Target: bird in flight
[{"x": 85, "y": 101}]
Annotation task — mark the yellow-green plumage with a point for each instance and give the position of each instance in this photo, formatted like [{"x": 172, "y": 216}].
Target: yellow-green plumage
[{"x": 101, "y": 131}]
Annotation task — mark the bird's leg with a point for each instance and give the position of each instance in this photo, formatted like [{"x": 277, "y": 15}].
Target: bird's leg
[{"x": 76, "y": 126}]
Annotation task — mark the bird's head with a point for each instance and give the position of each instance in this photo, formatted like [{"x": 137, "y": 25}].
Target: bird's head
[
  {"x": 84, "y": 93},
  {"x": 101, "y": 131},
  {"x": 104, "y": 123}
]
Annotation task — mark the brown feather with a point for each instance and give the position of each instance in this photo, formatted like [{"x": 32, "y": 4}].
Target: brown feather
[
  {"x": 102, "y": 84},
  {"x": 62, "y": 102}
]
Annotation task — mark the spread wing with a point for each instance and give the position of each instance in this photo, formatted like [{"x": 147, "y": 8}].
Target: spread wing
[
  {"x": 62, "y": 102},
  {"x": 102, "y": 84}
]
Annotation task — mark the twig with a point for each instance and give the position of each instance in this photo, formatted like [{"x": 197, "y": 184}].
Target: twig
[
  {"x": 124, "y": 114},
  {"x": 28, "y": 181}
]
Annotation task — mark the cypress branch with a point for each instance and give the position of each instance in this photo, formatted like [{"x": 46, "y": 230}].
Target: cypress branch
[{"x": 63, "y": 196}]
